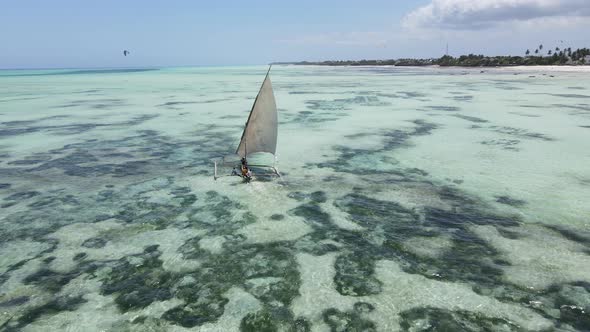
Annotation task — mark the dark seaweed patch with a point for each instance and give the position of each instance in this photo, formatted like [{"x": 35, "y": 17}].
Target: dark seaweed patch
[
  {"x": 372, "y": 213},
  {"x": 444, "y": 108},
  {"x": 49, "y": 259},
  {"x": 347, "y": 321},
  {"x": 509, "y": 234},
  {"x": 32, "y": 160},
  {"x": 506, "y": 144},
  {"x": 72, "y": 165},
  {"x": 64, "y": 303},
  {"x": 136, "y": 285},
  {"x": 510, "y": 201},
  {"x": 325, "y": 105},
  {"x": 15, "y": 128},
  {"x": 462, "y": 261},
  {"x": 312, "y": 243},
  {"x": 51, "y": 280},
  {"x": 462, "y": 98},
  {"x": 526, "y": 114},
  {"x": 198, "y": 313},
  {"x": 106, "y": 103},
  {"x": 315, "y": 197},
  {"x": 521, "y": 133},
  {"x": 355, "y": 275},
  {"x": 272, "y": 319},
  {"x": 403, "y": 95},
  {"x": 174, "y": 103},
  {"x": 312, "y": 213},
  {"x": 309, "y": 117},
  {"x": 567, "y": 303},
  {"x": 318, "y": 197},
  {"x": 217, "y": 214},
  {"x": 94, "y": 242},
  {"x": 435, "y": 319},
  {"x": 22, "y": 196},
  {"x": 470, "y": 118},
  {"x": 268, "y": 272},
  {"x": 180, "y": 190},
  {"x": 5, "y": 185},
  {"x": 26, "y": 162},
  {"x": 569, "y": 95},
  {"x": 79, "y": 256},
  {"x": 56, "y": 208},
  {"x": 576, "y": 316},
  {"x": 53, "y": 201},
  {"x": 18, "y": 123},
  {"x": 580, "y": 236},
  {"x": 363, "y": 307},
  {"x": 301, "y": 325},
  {"x": 391, "y": 140},
  {"x": 584, "y": 108},
  {"x": 7, "y": 205},
  {"x": 277, "y": 217},
  {"x": 20, "y": 300},
  {"x": 344, "y": 104},
  {"x": 411, "y": 94},
  {"x": 394, "y": 223},
  {"x": 416, "y": 171}
]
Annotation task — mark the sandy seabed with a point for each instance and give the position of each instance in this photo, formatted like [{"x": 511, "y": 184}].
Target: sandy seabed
[{"x": 412, "y": 199}]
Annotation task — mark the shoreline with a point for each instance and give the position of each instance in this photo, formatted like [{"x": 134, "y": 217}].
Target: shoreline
[
  {"x": 552, "y": 68},
  {"x": 536, "y": 68}
]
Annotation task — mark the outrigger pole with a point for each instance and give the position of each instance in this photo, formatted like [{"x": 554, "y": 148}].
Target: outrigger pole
[{"x": 215, "y": 170}]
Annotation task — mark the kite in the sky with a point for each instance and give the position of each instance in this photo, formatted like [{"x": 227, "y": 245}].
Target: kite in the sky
[{"x": 125, "y": 52}]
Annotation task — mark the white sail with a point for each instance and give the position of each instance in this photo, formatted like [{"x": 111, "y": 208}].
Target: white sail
[{"x": 260, "y": 133}]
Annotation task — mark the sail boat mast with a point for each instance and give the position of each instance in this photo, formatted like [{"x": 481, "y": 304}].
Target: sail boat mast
[
  {"x": 261, "y": 128},
  {"x": 250, "y": 116}
]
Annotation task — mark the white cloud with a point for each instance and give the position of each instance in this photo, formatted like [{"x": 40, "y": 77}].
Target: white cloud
[{"x": 479, "y": 14}]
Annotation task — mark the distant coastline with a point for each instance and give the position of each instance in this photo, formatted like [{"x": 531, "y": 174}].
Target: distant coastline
[{"x": 565, "y": 57}]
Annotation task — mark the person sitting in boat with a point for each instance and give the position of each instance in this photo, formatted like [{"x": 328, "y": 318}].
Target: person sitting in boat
[
  {"x": 234, "y": 171},
  {"x": 244, "y": 162},
  {"x": 246, "y": 174}
]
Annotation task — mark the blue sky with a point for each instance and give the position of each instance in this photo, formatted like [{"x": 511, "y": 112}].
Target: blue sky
[{"x": 67, "y": 33}]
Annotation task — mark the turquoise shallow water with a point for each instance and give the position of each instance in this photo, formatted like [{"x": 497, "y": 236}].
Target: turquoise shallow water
[{"x": 412, "y": 199}]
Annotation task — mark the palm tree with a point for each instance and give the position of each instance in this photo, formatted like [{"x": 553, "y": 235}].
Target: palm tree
[
  {"x": 557, "y": 49},
  {"x": 528, "y": 52},
  {"x": 537, "y": 51},
  {"x": 541, "y": 47},
  {"x": 549, "y": 53}
]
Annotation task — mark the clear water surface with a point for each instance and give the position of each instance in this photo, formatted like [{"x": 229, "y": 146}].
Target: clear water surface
[{"x": 413, "y": 199}]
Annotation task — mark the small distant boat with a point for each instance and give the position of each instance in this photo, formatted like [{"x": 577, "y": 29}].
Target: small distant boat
[{"x": 259, "y": 136}]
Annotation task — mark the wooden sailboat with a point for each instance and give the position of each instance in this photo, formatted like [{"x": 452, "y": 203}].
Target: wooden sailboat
[{"x": 259, "y": 135}]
